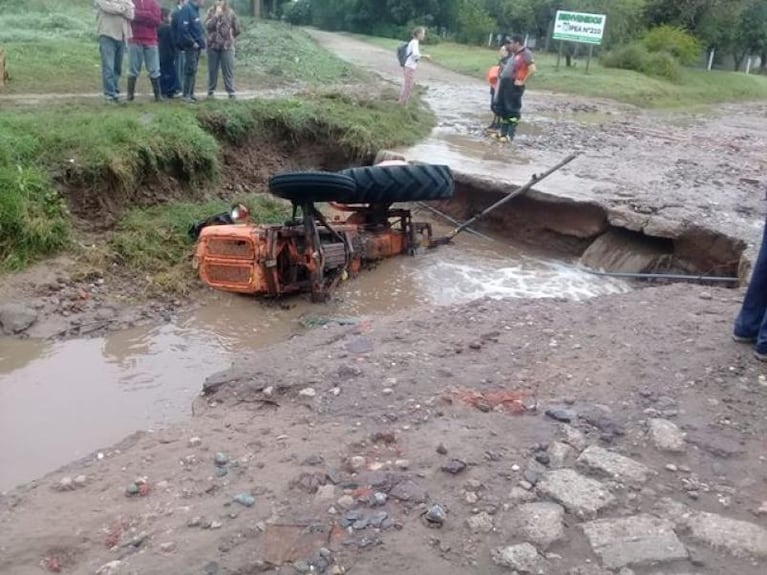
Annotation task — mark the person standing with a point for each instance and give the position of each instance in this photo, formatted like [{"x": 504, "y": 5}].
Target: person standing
[
  {"x": 142, "y": 47},
  {"x": 492, "y": 77},
  {"x": 113, "y": 18},
  {"x": 511, "y": 86},
  {"x": 411, "y": 63},
  {"x": 223, "y": 27},
  {"x": 192, "y": 41},
  {"x": 175, "y": 26},
  {"x": 167, "y": 49},
  {"x": 751, "y": 323}
]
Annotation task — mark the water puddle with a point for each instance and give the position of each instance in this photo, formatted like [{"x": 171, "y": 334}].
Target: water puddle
[{"x": 60, "y": 401}]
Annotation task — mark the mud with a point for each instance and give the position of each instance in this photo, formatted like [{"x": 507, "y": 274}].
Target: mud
[
  {"x": 375, "y": 404},
  {"x": 145, "y": 376}
]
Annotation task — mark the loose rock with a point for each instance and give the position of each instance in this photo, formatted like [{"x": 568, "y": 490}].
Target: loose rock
[
  {"x": 538, "y": 523},
  {"x": 245, "y": 499},
  {"x": 580, "y": 495},
  {"x": 454, "y": 466},
  {"x": 436, "y": 515},
  {"x": 523, "y": 558},
  {"x": 614, "y": 465},
  {"x": 220, "y": 459},
  {"x": 480, "y": 523},
  {"x": 562, "y": 414},
  {"x": 666, "y": 436},
  {"x": 636, "y": 540},
  {"x": 15, "y": 319},
  {"x": 308, "y": 392},
  {"x": 560, "y": 455}
]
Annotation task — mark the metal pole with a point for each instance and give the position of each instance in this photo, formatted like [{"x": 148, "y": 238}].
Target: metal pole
[
  {"x": 748, "y": 65},
  {"x": 588, "y": 60},
  {"x": 452, "y": 220},
  {"x": 711, "y": 59},
  {"x": 630, "y": 275},
  {"x": 559, "y": 54},
  {"x": 534, "y": 180}
]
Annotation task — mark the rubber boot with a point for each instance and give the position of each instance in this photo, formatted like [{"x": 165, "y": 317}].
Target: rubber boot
[
  {"x": 503, "y": 134},
  {"x": 131, "y": 88},
  {"x": 512, "y": 131},
  {"x": 158, "y": 97}
]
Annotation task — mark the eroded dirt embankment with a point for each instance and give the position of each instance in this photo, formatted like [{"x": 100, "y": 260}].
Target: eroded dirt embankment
[{"x": 623, "y": 408}]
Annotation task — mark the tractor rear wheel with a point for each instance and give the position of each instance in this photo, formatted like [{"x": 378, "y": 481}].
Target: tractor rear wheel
[
  {"x": 405, "y": 183},
  {"x": 300, "y": 187}
]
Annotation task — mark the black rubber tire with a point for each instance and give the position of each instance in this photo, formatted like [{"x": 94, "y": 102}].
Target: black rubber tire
[
  {"x": 407, "y": 183},
  {"x": 314, "y": 187}
]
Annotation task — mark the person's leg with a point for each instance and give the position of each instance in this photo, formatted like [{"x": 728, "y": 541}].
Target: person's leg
[
  {"x": 118, "y": 65},
  {"x": 407, "y": 84},
  {"x": 214, "y": 61},
  {"x": 751, "y": 323},
  {"x": 191, "y": 60},
  {"x": 107, "y": 51},
  {"x": 135, "y": 58},
  {"x": 152, "y": 55},
  {"x": 515, "y": 110},
  {"x": 227, "y": 70},
  {"x": 180, "y": 71}
]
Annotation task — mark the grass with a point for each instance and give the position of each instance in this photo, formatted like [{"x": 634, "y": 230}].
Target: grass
[
  {"x": 154, "y": 244},
  {"x": 696, "y": 87},
  {"x": 52, "y": 47}
]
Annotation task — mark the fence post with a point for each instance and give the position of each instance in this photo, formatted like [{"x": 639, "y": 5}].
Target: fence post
[
  {"x": 748, "y": 65},
  {"x": 559, "y": 55},
  {"x": 711, "y": 59},
  {"x": 588, "y": 60}
]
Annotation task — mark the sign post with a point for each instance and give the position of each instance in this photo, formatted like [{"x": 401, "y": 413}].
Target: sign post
[{"x": 579, "y": 27}]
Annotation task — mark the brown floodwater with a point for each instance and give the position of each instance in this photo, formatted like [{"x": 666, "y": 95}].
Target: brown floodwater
[{"x": 60, "y": 401}]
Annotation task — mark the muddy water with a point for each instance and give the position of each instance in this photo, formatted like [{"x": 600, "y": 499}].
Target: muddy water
[{"x": 61, "y": 401}]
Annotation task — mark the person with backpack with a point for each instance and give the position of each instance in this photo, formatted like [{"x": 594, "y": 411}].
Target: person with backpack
[
  {"x": 409, "y": 55},
  {"x": 511, "y": 86}
]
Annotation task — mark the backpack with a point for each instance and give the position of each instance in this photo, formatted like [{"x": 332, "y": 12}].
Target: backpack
[{"x": 403, "y": 54}]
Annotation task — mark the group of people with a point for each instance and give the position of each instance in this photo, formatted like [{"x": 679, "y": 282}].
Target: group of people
[
  {"x": 167, "y": 43},
  {"x": 507, "y": 80}
]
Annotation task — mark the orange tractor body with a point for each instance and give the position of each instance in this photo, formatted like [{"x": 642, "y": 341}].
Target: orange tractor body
[{"x": 303, "y": 255}]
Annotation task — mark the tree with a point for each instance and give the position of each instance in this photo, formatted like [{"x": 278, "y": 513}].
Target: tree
[
  {"x": 752, "y": 30},
  {"x": 473, "y": 22}
]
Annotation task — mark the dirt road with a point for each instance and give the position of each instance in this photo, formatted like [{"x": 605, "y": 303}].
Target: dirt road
[
  {"x": 623, "y": 435},
  {"x": 702, "y": 166}
]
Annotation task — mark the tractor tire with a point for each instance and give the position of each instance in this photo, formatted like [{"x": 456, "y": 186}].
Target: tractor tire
[
  {"x": 299, "y": 187},
  {"x": 406, "y": 183}
]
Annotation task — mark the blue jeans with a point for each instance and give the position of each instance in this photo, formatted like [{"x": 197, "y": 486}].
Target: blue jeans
[
  {"x": 139, "y": 54},
  {"x": 180, "y": 67},
  {"x": 111, "y": 64},
  {"x": 752, "y": 319}
]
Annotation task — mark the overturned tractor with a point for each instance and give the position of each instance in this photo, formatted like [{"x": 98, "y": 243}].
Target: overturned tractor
[{"x": 313, "y": 253}]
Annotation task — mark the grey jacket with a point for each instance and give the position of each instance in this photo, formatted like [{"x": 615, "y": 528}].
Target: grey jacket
[{"x": 113, "y": 18}]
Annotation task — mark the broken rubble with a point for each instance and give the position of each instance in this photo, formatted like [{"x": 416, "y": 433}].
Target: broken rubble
[
  {"x": 523, "y": 558},
  {"x": 480, "y": 523},
  {"x": 560, "y": 454},
  {"x": 638, "y": 540},
  {"x": 15, "y": 319},
  {"x": 573, "y": 437},
  {"x": 666, "y": 436},
  {"x": 538, "y": 523},
  {"x": 613, "y": 465},
  {"x": 581, "y": 496}
]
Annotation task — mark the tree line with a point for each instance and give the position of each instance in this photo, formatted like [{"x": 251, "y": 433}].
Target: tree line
[{"x": 737, "y": 28}]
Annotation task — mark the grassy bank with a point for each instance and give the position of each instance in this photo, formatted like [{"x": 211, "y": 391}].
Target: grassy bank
[
  {"x": 115, "y": 164},
  {"x": 695, "y": 87}
]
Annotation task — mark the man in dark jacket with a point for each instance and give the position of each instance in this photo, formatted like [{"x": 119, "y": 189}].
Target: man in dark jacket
[
  {"x": 192, "y": 40},
  {"x": 511, "y": 86},
  {"x": 142, "y": 47}
]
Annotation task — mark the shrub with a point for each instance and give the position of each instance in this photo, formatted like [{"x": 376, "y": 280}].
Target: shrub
[
  {"x": 298, "y": 13},
  {"x": 661, "y": 64},
  {"x": 677, "y": 42},
  {"x": 629, "y": 57},
  {"x": 635, "y": 56}
]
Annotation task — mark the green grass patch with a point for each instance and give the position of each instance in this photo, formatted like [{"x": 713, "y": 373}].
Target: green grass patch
[
  {"x": 694, "y": 86},
  {"x": 33, "y": 217},
  {"x": 153, "y": 242}
]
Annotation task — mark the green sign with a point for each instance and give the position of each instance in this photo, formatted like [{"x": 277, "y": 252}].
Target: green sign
[{"x": 579, "y": 27}]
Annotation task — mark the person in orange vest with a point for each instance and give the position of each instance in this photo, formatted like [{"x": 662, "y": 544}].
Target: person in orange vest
[
  {"x": 492, "y": 79},
  {"x": 511, "y": 87}
]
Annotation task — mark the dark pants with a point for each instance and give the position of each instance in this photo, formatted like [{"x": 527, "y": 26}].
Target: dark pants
[
  {"x": 752, "y": 319},
  {"x": 168, "y": 78},
  {"x": 179, "y": 70},
  {"x": 223, "y": 59},
  {"x": 191, "y": 61},
  {"x": 509, "y": 106}
]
